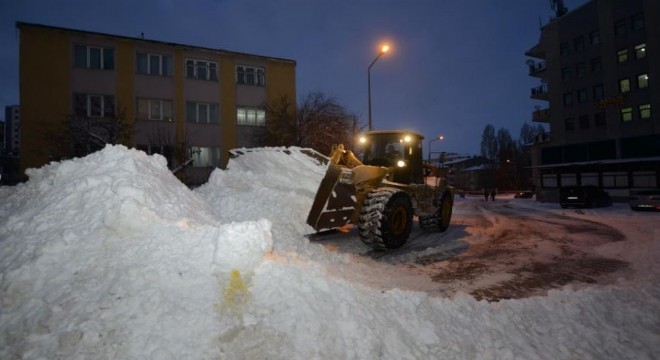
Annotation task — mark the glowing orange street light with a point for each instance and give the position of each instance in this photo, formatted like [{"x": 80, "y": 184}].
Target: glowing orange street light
[{"x": 383, "y": 49}]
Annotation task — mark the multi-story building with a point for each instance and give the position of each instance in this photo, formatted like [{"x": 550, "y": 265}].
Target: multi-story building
[
  {"x": 599, "y": 72},
  {"x": 182, "y": 101},
  {"x": 12, "y": 140}
]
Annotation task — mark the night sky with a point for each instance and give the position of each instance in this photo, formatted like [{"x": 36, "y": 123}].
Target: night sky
[{"x": 455, "y": 65}]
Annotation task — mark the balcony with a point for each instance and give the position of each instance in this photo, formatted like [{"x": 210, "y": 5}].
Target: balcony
[
  {"x": 536, "y": 52},
  {"x": 541, "y": 115},
  {"x": 536, "y": 69},
  {"x": 540, "y": 92}
]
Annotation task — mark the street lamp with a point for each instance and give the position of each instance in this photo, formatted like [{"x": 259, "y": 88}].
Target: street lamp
[
  {"x": 385, "y": 48},
  {"x": 441, "y": 137}
]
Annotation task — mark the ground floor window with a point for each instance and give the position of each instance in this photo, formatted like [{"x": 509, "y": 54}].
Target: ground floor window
[
  {"x": 589, "y": 179},
  {"x": 644, "y": 179},
  {"x": 549, "y": 180},
  {"x": 204, "y": 156},
  {"x": 615, "y": 179},
  {"x": 568, "y": 179}
]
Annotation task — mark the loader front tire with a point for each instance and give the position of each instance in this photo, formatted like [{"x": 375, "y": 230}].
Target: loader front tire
[{"x": 386, "y": 218}]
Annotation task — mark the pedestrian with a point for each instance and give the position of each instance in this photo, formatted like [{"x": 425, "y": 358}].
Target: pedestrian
[
  {"x": 486, "y": 194},
  {"x": 492, "y": 195}
]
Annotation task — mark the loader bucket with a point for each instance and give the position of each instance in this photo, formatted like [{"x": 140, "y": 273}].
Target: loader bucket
[{"x": 334, "y": 203}]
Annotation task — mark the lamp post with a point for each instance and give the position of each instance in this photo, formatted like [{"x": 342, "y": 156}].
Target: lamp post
[
  {"x": 385, "y": 48},
  {"x": 441, "y": 137}
]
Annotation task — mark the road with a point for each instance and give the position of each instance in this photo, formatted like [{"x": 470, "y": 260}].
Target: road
[{"x": 492, "y": 250}]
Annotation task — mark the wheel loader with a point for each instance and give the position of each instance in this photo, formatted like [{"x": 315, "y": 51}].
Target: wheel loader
[{"x": 382, "y": 192}]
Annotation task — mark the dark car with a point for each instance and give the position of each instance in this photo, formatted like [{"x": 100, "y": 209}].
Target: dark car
[
  {"x": 645, "y": 200},
  {"x": 524, "y": 195},
  {"x": 586, "y": 196}
]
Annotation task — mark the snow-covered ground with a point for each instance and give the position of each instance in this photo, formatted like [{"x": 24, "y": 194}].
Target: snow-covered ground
[{"x": 111, "y": 257}]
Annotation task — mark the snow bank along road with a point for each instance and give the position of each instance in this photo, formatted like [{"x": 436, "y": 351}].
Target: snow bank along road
[{"x": 505, "y": 249}]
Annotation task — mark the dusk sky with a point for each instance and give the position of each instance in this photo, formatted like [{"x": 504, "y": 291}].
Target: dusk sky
[{"x": 455, "y": 65}]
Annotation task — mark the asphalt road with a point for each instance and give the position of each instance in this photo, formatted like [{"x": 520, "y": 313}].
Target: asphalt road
[{"x": 492, "y": 250}]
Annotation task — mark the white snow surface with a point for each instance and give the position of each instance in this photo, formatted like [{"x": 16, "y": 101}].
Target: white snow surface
[{"x": 111, "y": 257}]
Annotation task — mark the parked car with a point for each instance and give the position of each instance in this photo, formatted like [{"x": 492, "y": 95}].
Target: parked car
[
  {"x": 645, "y": 200},
  {"x": 524, "y": 195},
  {"x": 586, "y": 196}
]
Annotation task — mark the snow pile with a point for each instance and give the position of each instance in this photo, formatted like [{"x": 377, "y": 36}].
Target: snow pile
[{"x": 111, "y": 257}]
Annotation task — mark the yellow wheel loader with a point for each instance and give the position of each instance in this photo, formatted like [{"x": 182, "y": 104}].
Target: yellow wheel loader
[{"x": 383, "y": 191}]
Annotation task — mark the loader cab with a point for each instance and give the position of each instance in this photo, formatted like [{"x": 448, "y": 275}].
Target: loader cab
[{"x": 398, "y": 149}]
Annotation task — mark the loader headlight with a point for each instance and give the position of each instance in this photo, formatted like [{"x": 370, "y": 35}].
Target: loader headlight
[{"x": 401, "y": 163}]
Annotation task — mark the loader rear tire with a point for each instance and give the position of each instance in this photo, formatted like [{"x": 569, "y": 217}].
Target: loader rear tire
[
  {"x": 440, "y": 220},
  {"x": 386, "y": 218}
]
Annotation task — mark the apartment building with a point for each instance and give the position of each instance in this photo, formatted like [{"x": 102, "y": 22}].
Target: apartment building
[
  {"x": 599, "y": 79},
  {"x": 182, "y": 101},
  {"x": 12, "y": 130}
]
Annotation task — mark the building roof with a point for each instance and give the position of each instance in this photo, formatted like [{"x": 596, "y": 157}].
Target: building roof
[
  {"x": 21, "y": 24},
  {"x": 599, "y": 162}
]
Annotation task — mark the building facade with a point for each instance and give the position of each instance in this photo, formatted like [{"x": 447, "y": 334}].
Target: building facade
[
  {"x": 12, "y": 130},
  {"x": 190, "y": 104},
  {"x": 599, "y": 72}
]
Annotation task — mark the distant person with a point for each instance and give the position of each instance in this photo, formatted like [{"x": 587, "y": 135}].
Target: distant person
[
  {"x": 492, "y": 195},
  {"x": 486, "y": 194}
]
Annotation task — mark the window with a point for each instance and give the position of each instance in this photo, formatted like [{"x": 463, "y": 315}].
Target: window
[
  {"x": 568, "y": 99},
  {"x": 645, "y": 111},
  {"x": 202, "y": 113},
  {"x": 643, "y": 81},
  {"x": 622, "y": 56},
  {"x": 568, "y": 179},
  {"x": 637, "y": 21},
  {"x": 644, "y": 179},
  {"x": 596, "y": 64},
  {"x": 250, "y": 116},
  {"x": 615, "y": 179},
  {"x": 598, "y": 92},
  {"x": 582, "y": 96},
  {"x": 589, "y": 179},
  {"x": 626, "y": 114},
  {"x": 204, "y": 156},
  {"x": 580, "y": 70},
  {"x": 600, "y": 120},
  {"x": 167, "y": 151},
  {"x": 583, "y": 122},
  {"x": 620, "y": 27},
  {"x": 93, "y": 57},
  {"x": 154, "y": 64},
  {"x": 640, "y": 51},
  {"x": 563, "y": 48},
  {"x": 154, "y": 109},
  {"x": 578, "y": 43},
  {"x": 594, "y": 37},
  {"x": 624, "y": 85},
  {"x": 201, "y": 70},
  {"x": 92, "y": 105},
  {"x": 569, "y": 124},
  {"x": 566, "y": 74},
  {"x": 248, "y": 75}
]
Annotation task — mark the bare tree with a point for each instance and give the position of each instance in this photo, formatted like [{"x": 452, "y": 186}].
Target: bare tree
[{"x": 317, "y": 122}]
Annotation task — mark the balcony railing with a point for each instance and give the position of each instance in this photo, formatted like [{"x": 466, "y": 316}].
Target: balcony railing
[
  {"x": 536, "y": 68},
  {"x": 540, "y": 92},
  {"x": 541, "y": 115}
]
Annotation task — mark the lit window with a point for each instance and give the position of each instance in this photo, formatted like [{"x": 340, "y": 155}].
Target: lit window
[
  {"x": 250, "y": 116},
  {"x": 624, "y": 85},
  {"x": 204, "y": 156},
  {"x": 643, "y": 81},
  {"x": 622, "y": 55},
  {"x": 626, "y": 114},
  {"x": 640, "y": 51},
  {"x": 645, "y": 111}
]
